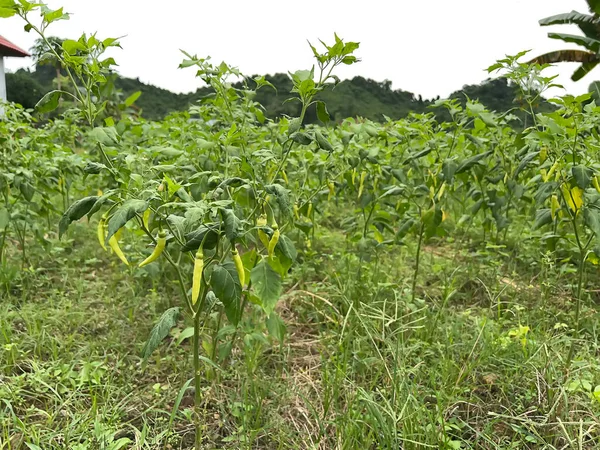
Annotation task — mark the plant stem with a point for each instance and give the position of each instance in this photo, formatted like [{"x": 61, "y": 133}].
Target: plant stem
[
  {"x": 418, "y": 259},
  {"x": 197, "y": 386},
  {"x": 577, "y": 309}
]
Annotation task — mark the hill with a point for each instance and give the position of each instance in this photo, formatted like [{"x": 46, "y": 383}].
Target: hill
[{"x": 356, "y": 97}]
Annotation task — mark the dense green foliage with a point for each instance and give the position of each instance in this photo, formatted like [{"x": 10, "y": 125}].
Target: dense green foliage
[
  {"x": 358, "y": 97},
  {"x": 411, "y": 283}
]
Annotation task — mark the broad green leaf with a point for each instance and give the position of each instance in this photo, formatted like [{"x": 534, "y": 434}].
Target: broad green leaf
[
  {"x": 4, "y": 218},
  {"x": 75, "y": 212},
  {"x": 52, "y": 16},
  {"x": 225, "y": 283},
  {"x": 286, "y": 252},
  {"x": 323, "y": 142},
  {"x": 582, "y": 175},
  {"x": 132, "y": 98},
  {"x": 591, "y": 217},
  {"x": 276, "y": 327},
  {"x": 105, "y": 135},
  {"x": 405, "y": 227},
  {"x": 72, "y": 47},
  {"x": 124, "y": 214},
  {"x": 301, "y": 138},
  {"x": 322, "y": 113},
  {"x": 48, "y": 102},
  {"x": 527, "y": 159},
  {"x": 232, "y": 225},
  {"x": 470, "y": 162},
  {"x": 205, "y": 235},
  {"x": 282, "y": 196},
  {"x": 266, "y": 284},
  {"x": 27, "y": 190},
  {"x": 160, "y": 331},
  {"x": 6, "y": 12},
  {"x": 542, "y": 217},
  {"x": 449, "y": 168}
]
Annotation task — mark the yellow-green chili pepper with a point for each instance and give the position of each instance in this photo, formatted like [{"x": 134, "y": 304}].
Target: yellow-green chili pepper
[
  {"x": 197, "y": 277},
  {"x": 274, "y": 240},
  {"x": 113, "y": 242},
  {"x": 160, "y": 246},
  {"x": 361, "y": 184},
  {"x": 239, "y": 265},
  {"x": 596, "y": 184},
  {"x": 102, "y": 232}
]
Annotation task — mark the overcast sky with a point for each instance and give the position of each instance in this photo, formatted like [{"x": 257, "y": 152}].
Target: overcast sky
[{"x": 427, "y": 47}]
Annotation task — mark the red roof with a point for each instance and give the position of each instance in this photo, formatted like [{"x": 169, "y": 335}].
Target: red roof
[{"x": 7, "y": 48}]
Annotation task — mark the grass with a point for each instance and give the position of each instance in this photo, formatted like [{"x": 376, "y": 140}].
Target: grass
[{"x": 476, "y": 361}]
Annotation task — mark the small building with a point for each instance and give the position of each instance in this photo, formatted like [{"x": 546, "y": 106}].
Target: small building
[{"x": 7, "y": 49}]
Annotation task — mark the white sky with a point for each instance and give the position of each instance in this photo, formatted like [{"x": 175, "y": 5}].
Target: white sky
[{"x": 426, "y": 47}]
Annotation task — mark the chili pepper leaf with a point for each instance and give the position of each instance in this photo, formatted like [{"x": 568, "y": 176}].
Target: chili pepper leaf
[
  {"x": 226, "y": 285},
  {"x": 205, "y": 233},
  {"x": 449, "y": 168},
  {"x": 322, "y": 113},
  {"x": 75, "y": 212},
  {"x": 48, "y": 102},
  {"x": 266, "y": 284},
  {"x": 592, "y": 220},
  {"x": 231, "y": 223},
  {"x": 527, "y": 159},
  {"x": 276, "y": 327},
  {"x": 160, "y": 331},
  {"x": 582, "y": 175},
  {"x": 99, "y": 203},
  {"x": 542, "y": 217},
  {"x": 470, "y": 162},
  {"x": 282, "y": 196},
  {"x": 124, "y": 214}
]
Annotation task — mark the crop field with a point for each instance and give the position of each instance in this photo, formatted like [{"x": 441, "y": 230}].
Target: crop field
[{"x": 223, "y": 280}]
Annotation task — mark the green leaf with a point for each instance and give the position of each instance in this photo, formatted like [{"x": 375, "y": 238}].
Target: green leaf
[
  {"x": 592, "y": 220},
  {"x": 449, "y": 168},
  {"x": 542, "y": 217},
  {"x": 470, "y": 162},
  {"x": 232, "y": 225},
  {"x": 48, "y": 102},
  {"x": 266, "y": 284},
  {"x": 160, "y": 331},
  {"x": 586, "y": 42},
  {"x": 431, "y": 219},
  {"x": 27, "y": 190},
  {"x": 323, "y": 142},
  {"x": 283, "y": 198},
  {"x": 225, "y": 283},
  {"x": 72, "y": 47},
  {"x": 582, "y": 175},
  {"x": 301, "y": 138},
  {"x": 206, "y": 235},
  {"x": 286, "y": 252},
  {"x": 276, "y": 327},
  {"x": 4, "y": 218},
  {"x": 105, "y": 135},
  {"x": 75, "y": 212},
  {"x": 124, "y": 214},
  {"x": 322, "y": 113},
  {"x": 93, "y": 168},
  {"x": 132, "y": 98},
  {"x": 524, "y": 162},
  {"x": 52, "y": 16},
  {"x": 405, "y": 227},
  {"x": 6, "y": 12}
]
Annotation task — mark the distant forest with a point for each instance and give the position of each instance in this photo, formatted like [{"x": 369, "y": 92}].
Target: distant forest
[{"x": 350, "y": 98}]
